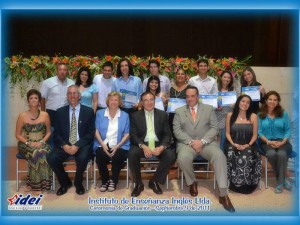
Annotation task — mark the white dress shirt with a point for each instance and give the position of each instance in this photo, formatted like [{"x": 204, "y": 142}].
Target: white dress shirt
[
  {"x": 206, "y": 86},
  {"x": 112, "y": 130}
]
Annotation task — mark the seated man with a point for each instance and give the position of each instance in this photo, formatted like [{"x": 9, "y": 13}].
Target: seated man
[
  {"x": 150, "y": 136},
  {"x": 74, "y": 131},
  {"x": 195, "y": 127}
]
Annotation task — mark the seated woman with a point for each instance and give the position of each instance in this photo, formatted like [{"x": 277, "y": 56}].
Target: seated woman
[
  {"x": 153, "y": 86},
  {"x": 274, "y": 131},
  {"x": 243, "y": 161},
  {"x": 32, "y": 132},
  {"x": 89, "y": 91},
  {"x": 111, "y": 140}
]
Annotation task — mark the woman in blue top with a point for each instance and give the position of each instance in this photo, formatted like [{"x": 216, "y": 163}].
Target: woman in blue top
[
  {"x": 89, "y": 91},
  {"x": 274, "y": 130},
  {"x": 111, "y": 142}
]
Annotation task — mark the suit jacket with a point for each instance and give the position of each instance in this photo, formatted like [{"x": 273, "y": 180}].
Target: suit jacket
[
  {"x": 86, "y": 126},
  {"x": 138, "y": 128},
  {"x": 205, "y": 127}
]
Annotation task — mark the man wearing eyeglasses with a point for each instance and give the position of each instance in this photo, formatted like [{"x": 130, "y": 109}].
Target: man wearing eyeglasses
[{"x": 150, "y": 136}]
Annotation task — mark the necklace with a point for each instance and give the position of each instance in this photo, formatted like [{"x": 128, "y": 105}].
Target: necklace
[
  {"x": 177, "y": 93},
  {"x": 32, "y": 117}
]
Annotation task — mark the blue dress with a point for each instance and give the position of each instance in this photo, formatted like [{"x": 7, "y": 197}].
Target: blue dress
[{"x": 87, "y": 95}]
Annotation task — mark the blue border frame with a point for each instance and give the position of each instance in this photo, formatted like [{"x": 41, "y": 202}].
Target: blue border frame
[{"x": 136, "y": 4}]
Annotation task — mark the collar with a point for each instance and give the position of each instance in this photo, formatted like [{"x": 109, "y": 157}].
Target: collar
[
  {"x": 106, "y": 113},
  {"x": 77, "y": 107}
]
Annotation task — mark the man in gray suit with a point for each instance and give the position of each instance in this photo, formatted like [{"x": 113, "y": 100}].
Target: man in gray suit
[{"x": 196, "y": 127}]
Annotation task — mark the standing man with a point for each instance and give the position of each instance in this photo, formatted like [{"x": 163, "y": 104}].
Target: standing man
[
  {"x": 104, "y": 83},
  {"x": 54, "y": 91},
  {"x": 150, "y": 136},
  {"x": 165, "y": 83},
  {"x": 196, "y": 127},
  {"x": 74, "y": 132},
  {"x": 205, "y": 84}
]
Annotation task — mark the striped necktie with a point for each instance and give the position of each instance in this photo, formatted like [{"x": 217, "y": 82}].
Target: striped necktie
[{"x": 73, "y": 131}]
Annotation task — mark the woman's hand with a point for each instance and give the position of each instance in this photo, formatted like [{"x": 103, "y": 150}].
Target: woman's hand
[{"x": 114, "y": 150}]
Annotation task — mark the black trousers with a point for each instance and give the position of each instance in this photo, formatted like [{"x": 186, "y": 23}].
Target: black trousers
[
  {"x": 58, "y": 156},
  {"x": 117, "y": 162},
  {"x": 166, "y": 158}
]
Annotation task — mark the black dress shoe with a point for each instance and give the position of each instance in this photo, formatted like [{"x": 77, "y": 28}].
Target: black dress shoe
[
  {"x": 63, "y": 189},
  {"x": 137, "y": 190},
  {"x": 225, "y": 201},
  {"x": 80, "y": 189},
  {"x": 155, "y": 187},
  {"x": 194, "y": 189}
]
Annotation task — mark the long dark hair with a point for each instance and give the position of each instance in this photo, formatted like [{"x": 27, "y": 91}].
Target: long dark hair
[
  {"x": 89, "y": 80},
  {"x": 243, "y": 81},
  {"x": 157, "y": 91},
  {"x": 130, "y": 67},
  {"x": 236, "y": 109},
  {"x": 278, "y": 111},
  {"x": 230, "y": 85}
]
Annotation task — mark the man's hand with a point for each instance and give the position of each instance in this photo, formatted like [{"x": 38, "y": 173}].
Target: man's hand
[
  {"x": 158, "y": 150},
  {"x": 197, "y": 145},
  {"x": 147, "y": 151}
]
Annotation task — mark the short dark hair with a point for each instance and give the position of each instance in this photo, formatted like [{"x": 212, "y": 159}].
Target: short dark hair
[
  {"x": 155, "y": 62},
  {"x": 202, "y": 61},
  {"x": 34, "y": 92},
  {"x": 89, "y": 80},
  {"x": 147, "y": 93},
  {"x": 108, "y": 63},
  {"x": 119, "y": 73},
  {"x": 193, "y": 88},
  {"x": 149, "y": 81},
  {"x": 62, "y": 63}
]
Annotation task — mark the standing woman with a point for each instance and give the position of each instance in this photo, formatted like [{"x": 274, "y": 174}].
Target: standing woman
[
  {"x": 274, "y": 130},
  {"x": 89, "y": 91},
  {"x": 177, "y": 91},
  {"x": 153, "y": 86},
  {"x": 111, "y": 140},
  {"x": 243, "y": 159},
  {"x": 128, "y": 85},
  {"x": 32, "y": 132},
  {"x": 225, "y": 84},
  {"x": 248, "y": 78}
]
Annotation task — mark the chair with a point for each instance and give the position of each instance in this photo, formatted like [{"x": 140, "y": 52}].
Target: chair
[
  {"x": 292, "y": 156},
  {"x": 124, "y": 169},
  {"x": 71, "y": 161},
  {"x": 200, "y": 161},
  {"x": 152, "y": 160},
  {"x": 20, "y": 156}
]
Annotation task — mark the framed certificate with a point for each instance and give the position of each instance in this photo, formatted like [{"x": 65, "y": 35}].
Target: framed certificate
[
  {"x": 159, "y": 103},
  {"x": 227, "y": 98},
  {"x": 129, "y": 96},
  {"x": 253, "y": 92},
  {"x": 175, "y": 103},
  {"x": 209, "y": 100}
]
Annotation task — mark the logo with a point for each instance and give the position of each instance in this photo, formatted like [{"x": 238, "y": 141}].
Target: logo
[{"x": 20, "y": 202}]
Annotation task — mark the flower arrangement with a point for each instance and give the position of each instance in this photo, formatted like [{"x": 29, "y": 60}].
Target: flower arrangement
[{"x": 19, "y": 69}]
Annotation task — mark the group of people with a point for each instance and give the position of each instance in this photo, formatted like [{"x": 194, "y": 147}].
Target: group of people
[{"x": 118, "y": 118}]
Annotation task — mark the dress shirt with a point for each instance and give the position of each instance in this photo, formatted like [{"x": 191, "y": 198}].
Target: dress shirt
[
  {"x": 206, "y": 86},
  {"x": 165, "y": 84},
  {"x": 55, "y": 92},
  {"x": 276, "y": 128},
  {"x": 112, "y": 130},
  {"x": 77, "y": 110},
  {"x": 104, "y": 88},
  {"x": 195, "y": 107},
  {"x": 133, "y": 84},
  {"x": 146, "y": 115}
]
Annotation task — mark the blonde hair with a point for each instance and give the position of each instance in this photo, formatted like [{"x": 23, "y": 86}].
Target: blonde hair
[{"x": 112, "y": 94}]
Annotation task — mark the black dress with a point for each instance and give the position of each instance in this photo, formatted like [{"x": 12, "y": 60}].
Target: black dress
[{"x": 243, "y": 167}]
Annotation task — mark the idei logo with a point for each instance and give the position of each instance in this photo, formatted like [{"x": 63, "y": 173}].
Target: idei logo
[{"x": 20, "y": 202}]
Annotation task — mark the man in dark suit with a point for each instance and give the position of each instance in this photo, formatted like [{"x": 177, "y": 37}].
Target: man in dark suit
[
  {"x": 73, "y": 135},
  {"x": 150, "y": 136}
]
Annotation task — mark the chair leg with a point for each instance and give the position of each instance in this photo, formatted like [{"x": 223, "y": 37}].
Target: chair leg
[
  {"x": 17, "y": 175},
  {"x": 181, "y": 180},
  {"x": 266, "y": 171},
  {"x": 95, "y": 178},
  {"x": 127, "y": 175},
  {"x": 53, "y": 181},
  {"x": 87, "y": 176},
  {"x": 167, "y": 182}
]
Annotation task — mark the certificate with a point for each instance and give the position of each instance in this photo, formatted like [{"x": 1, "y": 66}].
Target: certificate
[
  {"x": 129, "y": 96},
  {"x": 175, "y": 103},
  {"x": 209, "y": 100},
  {"x": 227, "y": 98},
  {"x": 159, "y": 103},
  {"x": 253, "y": 92}
]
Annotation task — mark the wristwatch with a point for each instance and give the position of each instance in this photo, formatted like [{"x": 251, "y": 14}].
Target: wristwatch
[
  {"x": 165, "y": 147},
  {"x": 203, "y": 142},
  {"x": 141, "y": 146}
]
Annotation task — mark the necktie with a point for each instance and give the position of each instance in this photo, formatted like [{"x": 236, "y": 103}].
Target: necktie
[
  {"x": 194, "y": 114},
  {"x": 73, "y": 131},
  {"x": 151, "y": 134}
]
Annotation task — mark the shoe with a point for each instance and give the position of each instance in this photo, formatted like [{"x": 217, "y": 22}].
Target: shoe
[
  {"x": 137, "y": 190},
  {"x": 194, "y": 189},
  {"x": 63, "y": 189},
  {"x": 111, "y": 186},
  {"x": 155, "y": 187},
  {"x": 80, "y": 189},
  {"x": 287, "y": 185},
  {"x": 104, "y": 187},
  {"x": 278, "y": 189},
  {"x": 225, "y": 201}
]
